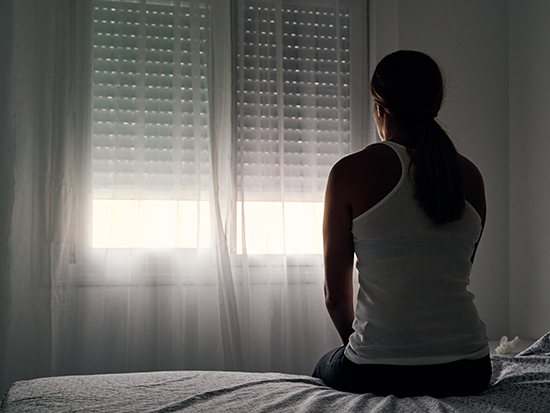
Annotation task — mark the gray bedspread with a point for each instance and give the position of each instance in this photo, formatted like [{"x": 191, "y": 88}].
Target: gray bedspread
[{"x": 519, "y": 384}]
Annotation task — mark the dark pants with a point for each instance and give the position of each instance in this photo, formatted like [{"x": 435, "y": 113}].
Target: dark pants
[{"x": 459, "y": 378}]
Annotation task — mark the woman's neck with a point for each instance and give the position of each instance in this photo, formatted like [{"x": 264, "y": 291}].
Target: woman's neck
[{"x": 396, "y": 135}]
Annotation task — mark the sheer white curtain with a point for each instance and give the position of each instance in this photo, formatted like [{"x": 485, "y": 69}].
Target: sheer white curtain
[
  {"x": 292, "y": 125},
  {"x": 47, "y": 115},
  {"x": 165, "y": 164}
]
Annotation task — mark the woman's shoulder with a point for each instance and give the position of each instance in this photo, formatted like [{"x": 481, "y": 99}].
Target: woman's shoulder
[
  {"x": 367, "y": 176},
  {"x": 470, "y": 173},
  {"x": 375, "y": 157},
  {"x": 469, "y": 167},
  {"x": 474, "y": 188}
]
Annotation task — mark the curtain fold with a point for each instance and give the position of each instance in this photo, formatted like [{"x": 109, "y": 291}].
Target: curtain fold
[
  {"x": 225, "y": 301},
  {"x": 48, "y": 122},
  {"x": 7, "y": 152},
  {"x": 234, "y": 323}
]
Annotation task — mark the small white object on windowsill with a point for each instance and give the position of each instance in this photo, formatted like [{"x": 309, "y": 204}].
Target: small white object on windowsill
[{"x": 505, "y": 346}]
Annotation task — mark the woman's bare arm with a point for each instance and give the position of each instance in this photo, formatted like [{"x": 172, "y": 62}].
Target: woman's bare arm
[
  {"x": 356, "y": 183},
  {"x": 338, "y": 253}
]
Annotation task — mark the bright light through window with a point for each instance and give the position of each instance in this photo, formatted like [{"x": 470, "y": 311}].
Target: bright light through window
[
  {"x": 150, "y": 224},
  {"x": 271, "y": 227},
  {"x": 270, "y": 230}
]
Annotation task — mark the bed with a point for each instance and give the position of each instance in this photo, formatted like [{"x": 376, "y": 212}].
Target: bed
[{"x": 519, "y": 384}]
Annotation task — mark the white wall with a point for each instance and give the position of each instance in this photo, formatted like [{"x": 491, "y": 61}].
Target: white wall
[
  {"x": 529, "y": 167},
  {"x": 469, "y": 39}
]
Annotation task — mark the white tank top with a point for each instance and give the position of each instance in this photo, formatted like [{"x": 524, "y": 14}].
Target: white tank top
[{"x": 413, "y": 306}]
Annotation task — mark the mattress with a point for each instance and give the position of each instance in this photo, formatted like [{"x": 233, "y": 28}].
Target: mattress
[{"x": 519, "y": 384}]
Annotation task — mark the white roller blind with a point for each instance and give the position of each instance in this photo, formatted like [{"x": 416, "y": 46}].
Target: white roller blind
[
  {"x": 293, "y": 83},
  {"x": 150, "y": 116}
]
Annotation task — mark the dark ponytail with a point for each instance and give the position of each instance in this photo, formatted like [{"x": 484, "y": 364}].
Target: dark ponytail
[
  {"x": 408, "y": 86},
  {"x": 438, "y": 182}
]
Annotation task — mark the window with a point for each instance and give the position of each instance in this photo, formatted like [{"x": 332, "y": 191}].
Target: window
[
  {"x": 293, "y": 97},
  {"x": 293, "y": 117},
  {"x": 150, "y": 124},
  {"x": 292, "y": 121}
]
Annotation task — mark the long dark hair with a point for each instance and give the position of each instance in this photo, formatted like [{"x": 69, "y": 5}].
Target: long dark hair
[{"x": 408, "y": 86}]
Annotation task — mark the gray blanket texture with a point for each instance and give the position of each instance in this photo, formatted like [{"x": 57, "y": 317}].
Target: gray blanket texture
[{"x": 519, "y": 384}]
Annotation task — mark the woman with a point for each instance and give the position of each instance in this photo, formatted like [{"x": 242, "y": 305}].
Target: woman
[{"x": 412, "y": 210}]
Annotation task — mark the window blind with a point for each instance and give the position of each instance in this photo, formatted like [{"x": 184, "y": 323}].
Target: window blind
[
  {"x": 293, "y": 105},
  {"x": 150, "y": 99}
]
